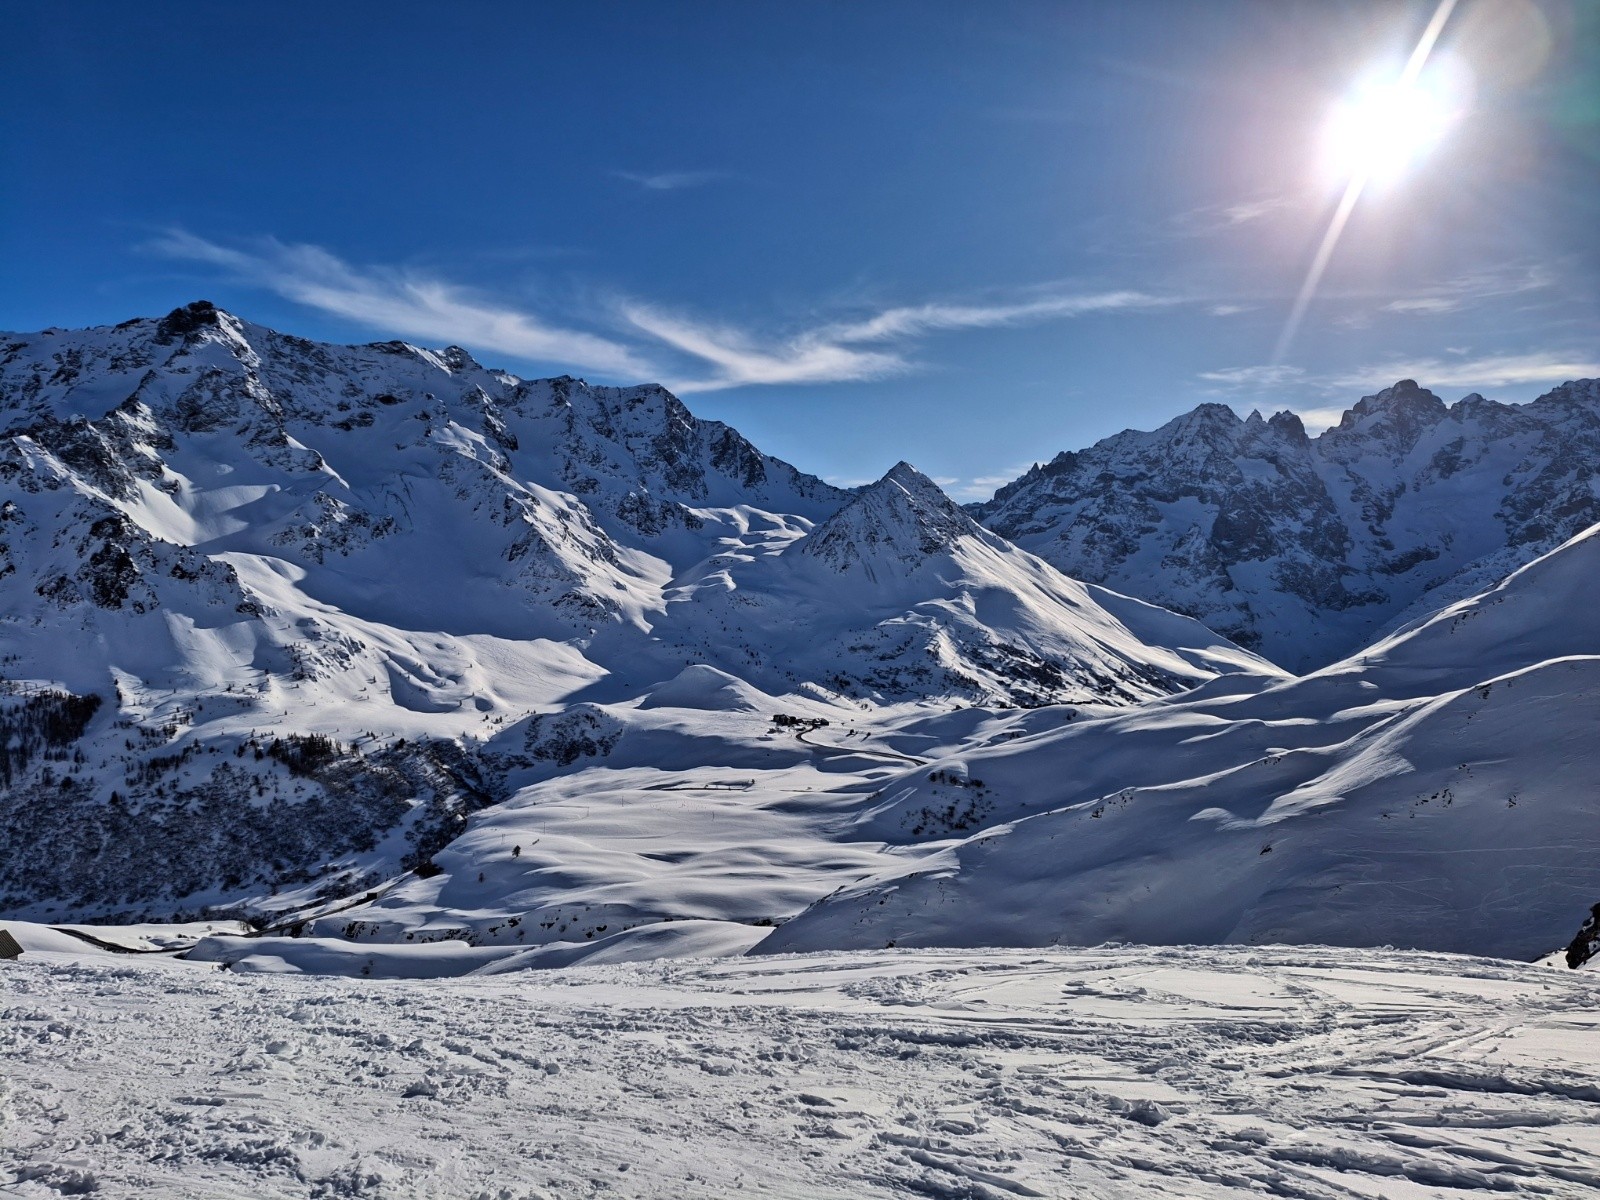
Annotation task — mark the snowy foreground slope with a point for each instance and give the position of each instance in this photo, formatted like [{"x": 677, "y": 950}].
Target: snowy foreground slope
[
  {"x": 1108, "y": 1073},
  {"x": 1307, "y": 548}
]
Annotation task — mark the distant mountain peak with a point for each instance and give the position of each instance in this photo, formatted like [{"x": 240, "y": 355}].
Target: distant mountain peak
[
  {"x": 1405, "y": 399},
  {"x": 1307, "y": 547},
  {"x": 901, "y": 520},
  {"x": 906, "y": 477},
  {"x": 1288, "y": 425}
]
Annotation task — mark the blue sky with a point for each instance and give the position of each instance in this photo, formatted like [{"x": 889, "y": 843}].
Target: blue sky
[{"x": 966, "y": 235}]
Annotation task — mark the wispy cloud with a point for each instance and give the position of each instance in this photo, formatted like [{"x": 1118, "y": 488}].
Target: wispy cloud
[
  {"x": 1452, "y": 295},
  {"x": 1503, "y": 370},
  {"x": 637, "y": 337},
  {"x": 1491, "y": 371},
  {"x": 981, "y": 487},
  {"x": 1253, "y": 210},
  {"x": 740, "y": 359},
  {"x": 1229, "y": 310},
  {"x": 1426, "y": 305},
  {"x": 870, "y": 347},
  {"x": 670, "y": 181},
  {"x": 1255, "y": 378},
  {"x": 916, "y": 320},
  {"x": 398, "y": 301},
  {"x": 1223, "y": 218}
]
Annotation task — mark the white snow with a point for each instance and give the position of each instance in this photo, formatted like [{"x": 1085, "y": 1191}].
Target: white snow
[
  {"x": 1095, "y": 1074},
  {"x": 1433, "y": 792},
  {"x": 1309, "y": 548}
]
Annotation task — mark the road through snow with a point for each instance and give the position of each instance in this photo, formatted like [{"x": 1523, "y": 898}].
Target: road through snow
[{"x": 1111, "y": 1072}]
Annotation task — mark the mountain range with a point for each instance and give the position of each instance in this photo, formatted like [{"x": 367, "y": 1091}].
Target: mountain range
[
  {"x": 422, "y": 668},
  {"x": 1307, "y": 548}
]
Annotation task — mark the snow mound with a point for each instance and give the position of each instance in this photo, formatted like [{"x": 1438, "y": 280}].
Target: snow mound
[{"x": 707, "y": 689}]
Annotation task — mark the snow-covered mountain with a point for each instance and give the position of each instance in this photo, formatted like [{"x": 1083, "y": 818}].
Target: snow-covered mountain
[
  {"x": 438, "y": 670},
  {"x": 1434, "y": 791},
  {"x": 1306, "y": 548},
  {"x": 900, "y": 593},
  {"x": 283, "y": 616}
]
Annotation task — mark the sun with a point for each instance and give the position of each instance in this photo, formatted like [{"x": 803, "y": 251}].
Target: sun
[{"x": 1382, "y": 129}]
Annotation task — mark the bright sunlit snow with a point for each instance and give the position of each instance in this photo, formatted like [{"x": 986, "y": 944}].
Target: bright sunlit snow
[{"x": 1095, "y": 1074}]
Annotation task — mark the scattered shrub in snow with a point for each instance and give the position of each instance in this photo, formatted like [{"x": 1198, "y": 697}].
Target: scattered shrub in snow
[{"x": 581, "y": 732}]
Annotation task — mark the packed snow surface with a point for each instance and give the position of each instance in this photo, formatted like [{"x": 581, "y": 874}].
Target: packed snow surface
[{"x": 1109, "y": 1072}]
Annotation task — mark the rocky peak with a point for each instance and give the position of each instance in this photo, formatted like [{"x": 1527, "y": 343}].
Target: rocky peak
[
  {"x": 1402, "y": 406},
  {"x": 1405, "y": 395},
  {"x": 1205, "y": 423},
  {"x": 457, "y": 359},
  {"x": 1573, "y": 395},
  {"x": 904, "y": 518},
  {"x": 186, "y": 319},
  {"x": 1307, "y": 546},
  {"x": 1289, "y": 426}
]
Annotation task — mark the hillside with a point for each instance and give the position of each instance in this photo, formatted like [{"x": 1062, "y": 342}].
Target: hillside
[{"x": 1430, "y": 792}]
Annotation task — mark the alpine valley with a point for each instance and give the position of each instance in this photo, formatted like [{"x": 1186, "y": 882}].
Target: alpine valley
[{"x": 372, "y": 660}]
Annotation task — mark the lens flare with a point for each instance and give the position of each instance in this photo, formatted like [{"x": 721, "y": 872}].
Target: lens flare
[{"x": 1382, "y": 129}]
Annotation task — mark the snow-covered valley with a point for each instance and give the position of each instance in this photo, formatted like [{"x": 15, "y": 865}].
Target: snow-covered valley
[
  {"x": 421, "y": 668},
  {"x": 287, "y": 625}
]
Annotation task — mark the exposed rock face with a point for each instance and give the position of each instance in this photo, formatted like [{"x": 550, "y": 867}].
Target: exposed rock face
[
  {"x": 1587, "y": 941},
  {"x": 1307, "y": 548}
]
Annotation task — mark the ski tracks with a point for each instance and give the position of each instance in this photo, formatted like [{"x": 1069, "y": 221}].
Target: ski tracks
[{"x": 990, "y": 1074}]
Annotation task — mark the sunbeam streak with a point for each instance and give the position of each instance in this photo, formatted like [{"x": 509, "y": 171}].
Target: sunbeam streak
[{"x": 1379, "y": 131}]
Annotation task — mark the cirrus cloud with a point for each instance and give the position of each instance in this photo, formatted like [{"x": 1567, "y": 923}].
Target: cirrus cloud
[
  {"x": 842, "y": 351},
  {"x": 405, "y": 302},
  {"x": 640, "y": 339}
]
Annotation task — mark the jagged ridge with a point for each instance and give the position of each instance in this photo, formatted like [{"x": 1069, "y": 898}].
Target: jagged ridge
[{"x": 1306, "y": 548}]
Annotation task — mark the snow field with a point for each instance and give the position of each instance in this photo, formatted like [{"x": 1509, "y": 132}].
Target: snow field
[{"x": 1096, "y": 1073}]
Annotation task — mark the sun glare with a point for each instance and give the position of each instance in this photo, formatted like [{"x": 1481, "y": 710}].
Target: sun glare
[{"x": 1381, "y": 130}]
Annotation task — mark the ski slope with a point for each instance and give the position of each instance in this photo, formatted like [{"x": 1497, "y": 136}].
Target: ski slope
[{"x": 992, "y": 1074}]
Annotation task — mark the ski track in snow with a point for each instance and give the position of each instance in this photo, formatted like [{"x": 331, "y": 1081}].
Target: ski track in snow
[{"x": 1109, "y": 1072}]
